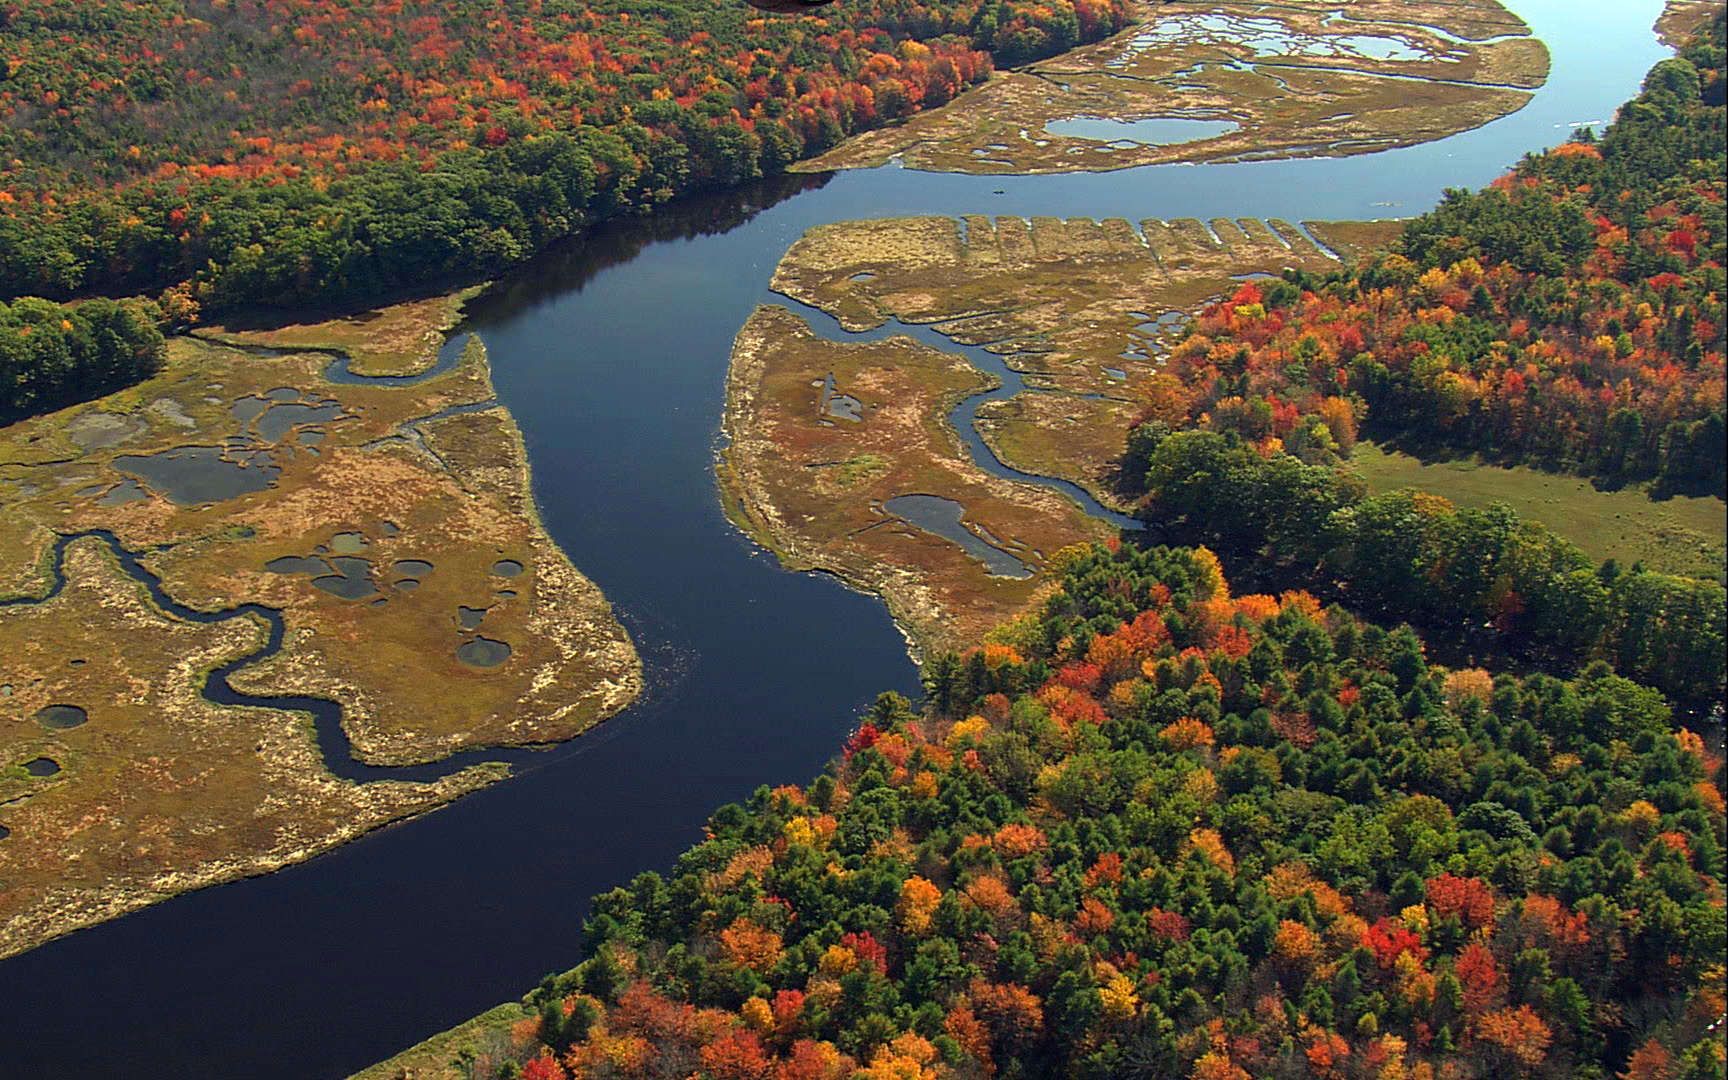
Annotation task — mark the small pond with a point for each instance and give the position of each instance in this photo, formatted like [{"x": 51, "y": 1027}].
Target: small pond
[
  {"x": 507, "y": 568},
  {"x": 189, "y": 475},
  {"x": 942, "y": 517},
  {"x": 483, "y": 652},
  {"x": 1163, "y": 324},
  {"x": 280, "y": 419},
  {"x": 248, "y": 409},
  {"x": 837, "y": 405},
  {"x": 61, "y": 717},
  {"x": 124, "y": 492},
  {"x": 298, "y": 564},
  {"x": 41, "y": 766},
  {"x": 351, "y": 581},
  {"x": 1269, "y": 37},
  {"x": 1158, "y": 131}
]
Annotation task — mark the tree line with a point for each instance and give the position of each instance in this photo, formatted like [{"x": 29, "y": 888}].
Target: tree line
[
  {"x": 319, "y": 151},
  {"x": 53, "y": 355},
  {"x": 1487, "y": 576}
]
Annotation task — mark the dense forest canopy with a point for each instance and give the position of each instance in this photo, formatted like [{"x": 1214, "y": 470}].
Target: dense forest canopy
[
  {"x": 1157, "y": 830},
  {"x": 292, "y": 151},
  {"x": 53, "y": 354}
]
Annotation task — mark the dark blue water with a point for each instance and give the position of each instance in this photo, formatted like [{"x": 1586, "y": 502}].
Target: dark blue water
[{"x": 612, "y": 356}]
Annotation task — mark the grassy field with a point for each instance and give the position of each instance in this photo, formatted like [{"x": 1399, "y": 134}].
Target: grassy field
[
  {"x": 1679, "y": 535},
  {"x": 435, "y": 1059}
]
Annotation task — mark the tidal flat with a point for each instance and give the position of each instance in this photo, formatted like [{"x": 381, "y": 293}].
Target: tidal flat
[
  {"x": 1237, "y": 81},
  {"x": 368, "y": 518}
]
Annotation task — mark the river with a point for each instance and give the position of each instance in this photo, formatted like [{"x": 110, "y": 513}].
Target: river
[{"x": 612, "y": 355}]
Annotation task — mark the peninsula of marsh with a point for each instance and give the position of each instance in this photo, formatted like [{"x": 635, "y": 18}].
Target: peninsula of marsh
[{"x": 264, "y": 602}]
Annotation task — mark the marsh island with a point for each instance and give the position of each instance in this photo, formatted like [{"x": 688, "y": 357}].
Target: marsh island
[{"x": 851, "y": 451}]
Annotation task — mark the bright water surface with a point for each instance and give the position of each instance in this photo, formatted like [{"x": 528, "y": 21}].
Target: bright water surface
[
  {"x": 612, "y": 356},
  {"x": 1158, "y": 131}
]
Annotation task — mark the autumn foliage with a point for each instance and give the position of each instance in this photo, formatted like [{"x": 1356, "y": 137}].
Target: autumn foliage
[
  {"x": 1571, "y": 314},
  {"x": 290, "y": 150},
  {"x": 1424, "y": 889}
]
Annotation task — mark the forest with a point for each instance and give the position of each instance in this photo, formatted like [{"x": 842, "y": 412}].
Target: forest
[
  {"x": 1155, "y": 829},
  {"x": 294, "y": 152},
  {"x": 52, "y": 355},
  {"x": 1570, "y": 315},
  {"x": 1488, "y": 578}
]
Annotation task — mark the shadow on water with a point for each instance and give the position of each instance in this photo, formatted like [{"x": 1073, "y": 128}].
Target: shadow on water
[
  {"x": 571, "y": 265},
  {"x": 611, "y": 354}
]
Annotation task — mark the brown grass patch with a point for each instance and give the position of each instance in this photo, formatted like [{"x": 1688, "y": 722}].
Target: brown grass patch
[
  {"x": 1073, "y": 305},
  {"x": 160, "y": 791},
  {"x": 812, "y": 489},
  {"x": 1680, "y": 19}
]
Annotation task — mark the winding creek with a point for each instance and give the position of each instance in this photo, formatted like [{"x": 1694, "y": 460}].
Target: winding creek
[
  {"x": 963, "y": 417},
  {"x": 611, "y": 354},
  {"x": 326, "y": 715}
]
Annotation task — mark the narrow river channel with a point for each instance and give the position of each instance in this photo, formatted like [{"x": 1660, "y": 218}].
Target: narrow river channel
[{"x": 612, "y": 355}]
